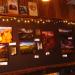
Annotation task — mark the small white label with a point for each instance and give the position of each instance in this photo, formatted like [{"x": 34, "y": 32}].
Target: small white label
[
  {"x": 4, "y": 63},
  {"x": 37, "y": 39},
  {"x": 65, "y": 55}
]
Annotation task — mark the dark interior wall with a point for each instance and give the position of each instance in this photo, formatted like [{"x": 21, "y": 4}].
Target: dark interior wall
[
  {"x": 26, "y": 61},
  {"x": 52, "y": 9}
]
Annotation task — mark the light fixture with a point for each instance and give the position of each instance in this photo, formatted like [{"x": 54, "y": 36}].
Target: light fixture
[{"x": 45, "y": 0}]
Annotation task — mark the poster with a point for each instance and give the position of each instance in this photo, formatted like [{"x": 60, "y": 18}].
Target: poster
[
  {"x": 12, "y": 6},
  {"x": 2, "y": 9},
  {"x": 23, "y": 10},
  {"x": 3, "y": 52},
  {"x": 5, "y": 34},
  {"x": 66, "y": 41},
  {"x": 48, "y": 40},
  {"x": 32, "y": 6}
]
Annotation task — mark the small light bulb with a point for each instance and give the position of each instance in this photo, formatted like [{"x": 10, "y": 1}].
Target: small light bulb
[
  {"x": 3, "y": 19},
  {"x": 18, "y": 21},
  {"x": 25, "y": 21},
  {"x": 46, "y": 0},
  {"x": 15, "y": 18},
  {"x": 7, "y": 19},
  {"x": 28, "y": 21},
  {"x": 43, "y": 22},
  {"x": 32, "y": 20},
  {"x": 49, "y": 20},
  {"x": 11, "y": 19},
  {"x": 38, "y": 21}
]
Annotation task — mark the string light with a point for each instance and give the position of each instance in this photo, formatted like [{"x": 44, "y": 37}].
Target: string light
[
  {"x": 15, "y": 18},
  {"x": 18, "y": 21},
  {"x": 47, "y": 53},
  {"x": 69, "y": 23},
  {"x": 66, "y": 21},
  {"x": 21, "y": 19},
  {"x": 43, "y": 22},
  {"x": 36, "y": 56},
  {"x": 32, "y": 20},
  {"x": 11, "y": 19},
  {"x": 38, "y": 22},
  {"x": 29, "y": 20},
  {"x": 46, "y": 0},
  {"x": 25, "y": 21},
  {"x": 35, "y": 21},
  {"x": 7, "y": 20},
  {"x": 3, "y": 20}
]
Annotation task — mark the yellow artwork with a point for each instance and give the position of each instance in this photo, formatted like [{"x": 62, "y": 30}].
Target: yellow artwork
[{"x": 5, "y": 34}]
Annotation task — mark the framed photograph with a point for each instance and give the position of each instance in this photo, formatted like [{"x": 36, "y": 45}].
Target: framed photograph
[
  {"x": 3, "y": 52},
  {"x": 25, "y": 34},
  {"x": 12, "y": 6},
  {"x": 2, "y": 9},
  {"x": 5, "y": 34},
  {"x": 23, "y": 10},
  {"x": 27, "y": 47},
  {"x": 32, "y": 7},
  {"x": 12, "y": 48},
  {"x": 66, "y": 41}
]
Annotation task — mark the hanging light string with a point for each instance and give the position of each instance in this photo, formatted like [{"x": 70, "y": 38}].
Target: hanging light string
[{"x": 33, "y": 20}]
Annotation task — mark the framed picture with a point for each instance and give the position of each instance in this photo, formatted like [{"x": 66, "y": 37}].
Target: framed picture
[
  {"x": 3, "y": 52},
  {"x": 12, "y": 6},
  {"x": 66, "y": 41},
  {"x": 12, "y": 48},
  {"x": 2, "y": 9},
  {"x": 27, "y": 47},
  {"x": 23, "y": 10},
  {"x": 48, "y": 40},
  {"x": 5, "y": 34},
  {"x": 32, "y": 7},
  {"x": 4, "y": 56}
]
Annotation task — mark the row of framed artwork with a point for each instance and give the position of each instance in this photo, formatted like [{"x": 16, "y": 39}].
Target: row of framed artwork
[{"x": 13, "y": 7}]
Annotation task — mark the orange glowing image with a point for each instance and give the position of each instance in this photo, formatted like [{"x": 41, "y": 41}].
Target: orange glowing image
[
  {"x": 45, "y": 0},
  {"x": 5, "y": 34}
]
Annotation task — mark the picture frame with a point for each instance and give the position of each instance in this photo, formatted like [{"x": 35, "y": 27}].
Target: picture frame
[
  {"x": 2, "y": 9},
  {"x": 5, "y": 34},
  {"x": 12, "y": 6},
  {"x": 3, "y": 52},
  {"x": 23, "y": 10},
  {"x": 32, "y": 7}
]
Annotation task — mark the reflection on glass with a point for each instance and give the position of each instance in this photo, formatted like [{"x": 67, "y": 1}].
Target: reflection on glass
[
  {"x": 3, "y": 54},
  {"x": 53, "y": 74},
  {"x": 12, "y": 48},
  {"x": 66, "y": 41},
  {"x": 39, "y": 45}
]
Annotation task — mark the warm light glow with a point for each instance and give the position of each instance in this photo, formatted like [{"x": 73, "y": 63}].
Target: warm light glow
[
  {"x": 45, "y": 0},
  {"x": 3, "y": 63}
]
